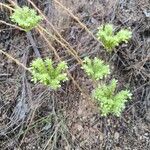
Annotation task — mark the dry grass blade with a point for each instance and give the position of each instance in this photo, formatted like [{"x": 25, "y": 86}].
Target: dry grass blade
[
  {"x": 15, "y": 60},
  {"x": 8, "y": 24},
  {"x": 6, "y": 5},
  {"x": 30, "y": 122},
  {"x": 50, "y": 139},
  {"x": 77, "y": 19}
]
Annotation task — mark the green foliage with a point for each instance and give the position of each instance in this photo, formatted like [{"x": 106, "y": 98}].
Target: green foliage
[
  {"x": 111, "y": 40},
  {"x": 95, "y": 68},
  {"x": 44, "y": 72},
  {"x": 111, "y": 103},
  {"x": 26, "y": 18}
]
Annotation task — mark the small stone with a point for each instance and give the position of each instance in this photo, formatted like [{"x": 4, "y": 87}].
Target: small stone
[
  {"x": 80, "y": 127},
  {"x": 101, "y": 137},
  {"x": 116, "y": 136}
]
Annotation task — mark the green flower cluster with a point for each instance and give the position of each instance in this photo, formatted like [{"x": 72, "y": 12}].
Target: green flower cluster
[
  {"x": 110, "y": 102},
  {"x": 44, "y": 72},
  {"x": 95, "y": 68},
  {"x": 111, "y": 40},
  {"x": 26, "y": 18}
]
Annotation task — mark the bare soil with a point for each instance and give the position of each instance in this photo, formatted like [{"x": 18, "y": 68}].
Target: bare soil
[{"x": 34, "y": 117}]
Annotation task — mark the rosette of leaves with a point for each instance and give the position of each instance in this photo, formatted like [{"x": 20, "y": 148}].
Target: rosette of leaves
[
  {"x": 95, "y": 68},
  {"x": 26, "y": 18},
  {"x": 109, "y": 39},
  {"x": 110, "y": 101},
  {"x": 43, "y": 71}
]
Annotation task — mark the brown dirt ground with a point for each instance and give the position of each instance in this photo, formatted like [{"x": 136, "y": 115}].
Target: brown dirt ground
[{"x": 34, "y": 117}]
